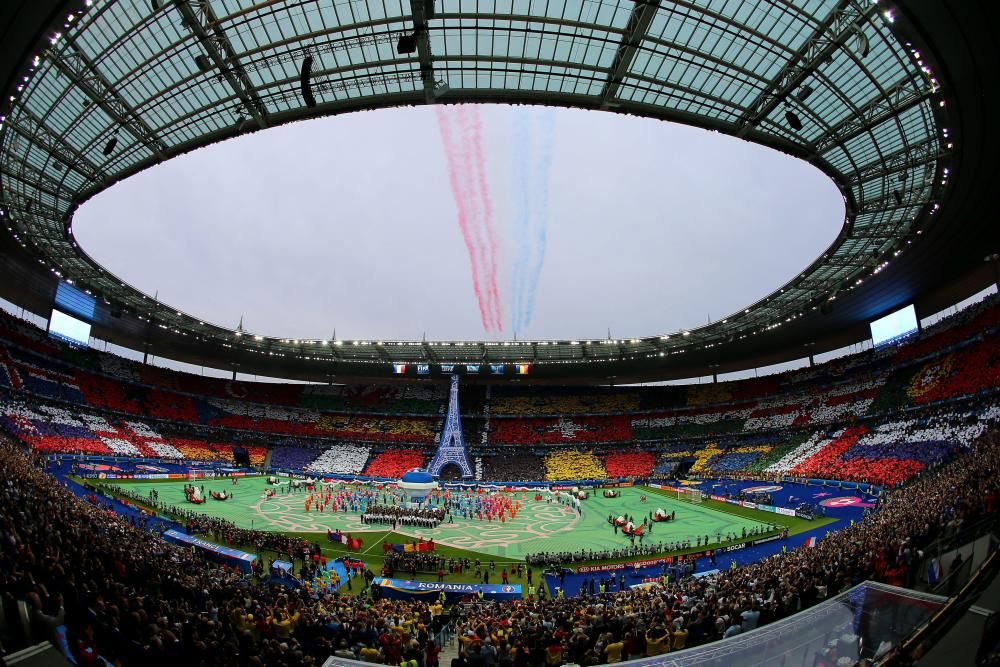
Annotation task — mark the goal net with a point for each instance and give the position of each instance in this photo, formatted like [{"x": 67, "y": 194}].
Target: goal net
[{"x": 690, "y": 495}]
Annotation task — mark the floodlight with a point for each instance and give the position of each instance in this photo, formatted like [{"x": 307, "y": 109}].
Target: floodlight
[
  {"x": 305, "y": 83},
  {"x": 793, "y": 120},
  {"x": 407, "y": 44}
]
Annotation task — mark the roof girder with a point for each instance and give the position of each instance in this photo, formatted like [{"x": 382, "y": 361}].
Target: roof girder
[
  {"x": 78, "y": 68},
  {"x": 200, "y": 19},
  {"x": 842, "y": 22}
]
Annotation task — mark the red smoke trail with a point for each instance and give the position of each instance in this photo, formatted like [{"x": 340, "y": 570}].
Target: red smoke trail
[
  {"x": 459, "y": 166},
  {"x": 473, "y": 121}
]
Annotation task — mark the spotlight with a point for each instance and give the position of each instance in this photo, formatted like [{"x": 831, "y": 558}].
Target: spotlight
[
  {"x": 109, "y": 147},
  {"x": 793, "y": 120},
  {"x": 804, "y": 92},
  {"x": 202, "y": 62},
  {"x": 407, "y": 44}
]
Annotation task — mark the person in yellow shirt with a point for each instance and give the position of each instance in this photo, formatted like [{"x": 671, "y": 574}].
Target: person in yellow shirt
[
  {"x": 657, "y": 641},
  {"x": 613, "y": 651},
  {"x": 282, "y": 625},
  {"x": 369, "y": 654},
  {"x": 680, "y": 638}
]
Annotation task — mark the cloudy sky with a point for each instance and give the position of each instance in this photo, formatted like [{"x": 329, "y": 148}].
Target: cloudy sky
[{"x": 465, "y": 223}]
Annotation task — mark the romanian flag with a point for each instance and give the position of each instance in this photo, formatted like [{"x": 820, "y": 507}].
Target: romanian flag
[{"x": 522, "y": 369}]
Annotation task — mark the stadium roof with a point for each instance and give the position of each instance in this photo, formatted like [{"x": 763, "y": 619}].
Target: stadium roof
[{"x": 100, "y": 90}]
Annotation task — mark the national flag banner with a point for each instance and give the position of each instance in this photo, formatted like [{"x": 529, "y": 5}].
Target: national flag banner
[
  {"x": 399, "y": 369},
  {"x": 409, "y": 547},
  {"x": 810, "y": 542},
  {"x": 934, "y": 572},
  {"x": 522, "y": 369}
]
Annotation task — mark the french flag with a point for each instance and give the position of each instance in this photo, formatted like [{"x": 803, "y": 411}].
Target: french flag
[
  {"x": 934, "y": 572},
  {"x": 810, "y": 542}
]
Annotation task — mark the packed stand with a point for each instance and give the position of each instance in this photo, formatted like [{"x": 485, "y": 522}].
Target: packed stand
[
  {"x": 607, "y": 627},
  {"x": 341, "y": 460},
  {"x": 395, "y": 463},
  {"x": 630, "y": 464},
  {"x": 129, "y": 597},
  {"x": 519, "y": 466},
  {"x": 573, "y": 464}
]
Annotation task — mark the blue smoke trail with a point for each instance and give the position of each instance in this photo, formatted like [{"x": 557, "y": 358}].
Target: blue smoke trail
[
  {"x": 543, "y": 129},
  {"x": 520, "y": 155}
]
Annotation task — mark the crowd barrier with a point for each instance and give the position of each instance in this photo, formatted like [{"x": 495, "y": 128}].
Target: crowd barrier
[{"x": 232, "y": 557}]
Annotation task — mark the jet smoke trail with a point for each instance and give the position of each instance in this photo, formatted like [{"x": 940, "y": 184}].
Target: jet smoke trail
[
  {"x": 461, "y": 133},
  {"x": 534, "y": 139}
]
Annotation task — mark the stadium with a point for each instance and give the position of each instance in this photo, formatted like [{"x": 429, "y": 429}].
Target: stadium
[{"x": 811, "y": 479}]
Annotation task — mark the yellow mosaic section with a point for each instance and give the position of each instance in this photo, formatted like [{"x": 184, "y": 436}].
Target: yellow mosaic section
[{"x": 573, "y": 465}]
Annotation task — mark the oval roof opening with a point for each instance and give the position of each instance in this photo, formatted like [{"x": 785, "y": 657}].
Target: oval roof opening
[{"x": 466, "y": 222}]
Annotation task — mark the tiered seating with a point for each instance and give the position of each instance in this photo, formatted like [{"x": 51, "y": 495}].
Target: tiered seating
[
  {"x": 888, "y": 454},
  {"x": 630, "y": 464},
  {"x": 293, "y": 458},
  {"x": 395, "y": 463},
  {"x": 802, "y": 413},
  {"x": 561, "y": 400},
  {"x": 571, "y": 464},
  {"x": 960, "y": 373},
  {"x": 342, "y": 459},
  {"x": 737, "y": 459},
  {"x": 204, "y": 450},
  {"x": 522, "y": 466},
  {"x": 776, "y": 452},
  {"x": 420, "y": 399},
  {"x": 53, "y": 432},
  {"x": 668, "y": 461},
  {"x": 697, "y": 422},
  {"x": 58, "y": 430},
  {"x": 566, "y": 430},
  {"x": 966, "y": 324}
]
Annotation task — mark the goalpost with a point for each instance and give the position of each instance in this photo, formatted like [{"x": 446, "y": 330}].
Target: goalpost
[{"x": 690, "y": 495}]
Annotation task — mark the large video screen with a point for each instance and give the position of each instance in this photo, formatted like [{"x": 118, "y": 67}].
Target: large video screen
[
  {"x": 69, "y": 329},
  {"x": 75, "y": 302},
  {"x": 894, "y": 326}
]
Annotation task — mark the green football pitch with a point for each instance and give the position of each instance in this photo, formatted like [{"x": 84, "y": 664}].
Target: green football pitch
[{"x": 539, "y": 526}]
